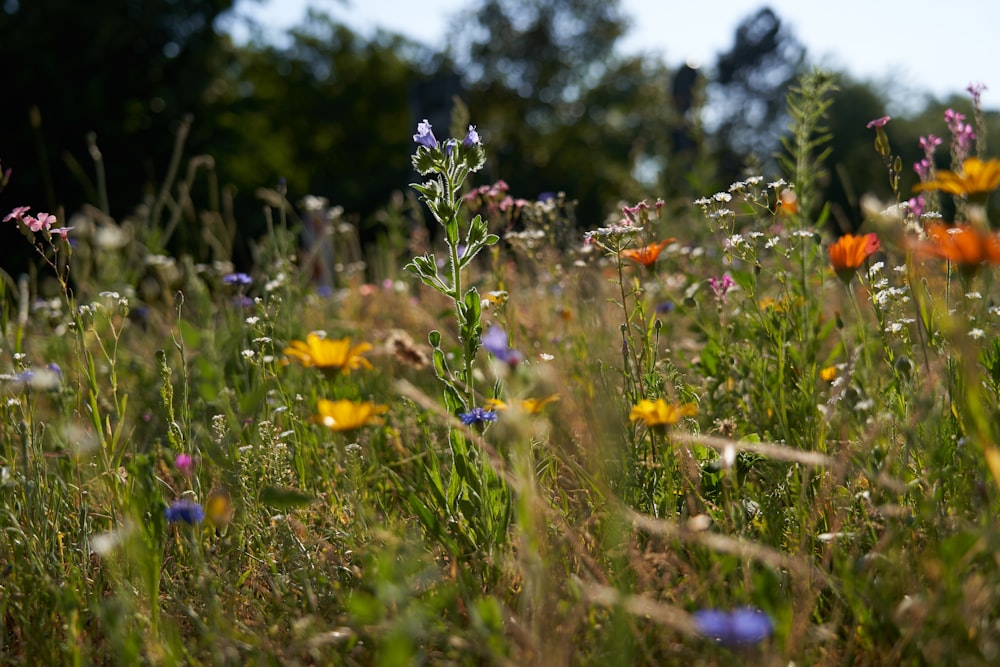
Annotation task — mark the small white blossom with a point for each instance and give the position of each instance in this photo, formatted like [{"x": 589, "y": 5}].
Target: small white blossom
[
  {"x": 248, "y": 354},
  {"x": 973, "y": 295},
  {"x": 977, "y": 334},
  {"x": 722, "y": 197},
  {"x": 875, "y": 268},
  {"x": 252, "y": 320},
  {"x": 776, "y": 184}
]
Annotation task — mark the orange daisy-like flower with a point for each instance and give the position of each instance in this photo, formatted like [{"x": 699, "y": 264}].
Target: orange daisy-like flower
[
  {"x": 788, "y": 202},
  {"x": 348, "y": 415},
  {"x": 962, "y": 244},
  {"x": 977, "y": 177},
  {"x": 850, "y": 252},
  {"x": 659, "y": 413},
  {"x": 647, "y": 254},
  {"x": 327, "y": 355}
]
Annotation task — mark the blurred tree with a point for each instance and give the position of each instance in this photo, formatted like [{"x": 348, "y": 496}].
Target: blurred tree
[
  {"x": 747, "y": 96},
  {"x": 126, "y": 71},
  {"x": 558, "y": 109},
  {"x": 329, "y": 113}
]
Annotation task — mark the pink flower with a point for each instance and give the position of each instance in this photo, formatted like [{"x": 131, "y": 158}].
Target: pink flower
[
  {"x": 17, "y": 213},
  {"x": 185, "y": 463},
  {"x": 61, "y": 231},
  {"x": 976, "y": 90},
  {"x": 43, "y": 221},
  {"x": 878, "y": 122}
]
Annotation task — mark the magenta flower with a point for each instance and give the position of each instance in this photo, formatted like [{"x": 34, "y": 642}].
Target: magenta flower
[
  {"x": 185, "y": 464},
  {"x": 17, "y": 213},
  {"x": 878, "y": 122},
  {"x": 976, "y": 90},
  {"x": 720, "y": 287}
]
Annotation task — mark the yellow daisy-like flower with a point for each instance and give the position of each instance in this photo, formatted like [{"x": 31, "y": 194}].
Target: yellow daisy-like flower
[
  {"x": 977, "y": 177},
  {"x": 660, "y": 413},
  {"x": 532, "y": 406},
  {"x": 348, "y": 415},
  {"x": 330, "y": 356},
  {"x": 828, "y": 374}
]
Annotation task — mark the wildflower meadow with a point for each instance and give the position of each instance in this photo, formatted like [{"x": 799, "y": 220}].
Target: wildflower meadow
[{"x": 708, "y": 432}]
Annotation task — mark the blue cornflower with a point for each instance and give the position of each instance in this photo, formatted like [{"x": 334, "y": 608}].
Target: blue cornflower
[
  {"x": 185, "y": 511},
  {"x": 477, "y": 416},
  {"x": 237, "y": 279},
  {"x": 739, "y": 627},
  {"x": 424, "y": 135},
  {"x": 472, "y": 138}
]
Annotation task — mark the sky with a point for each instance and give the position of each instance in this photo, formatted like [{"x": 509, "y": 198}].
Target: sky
[{"x": 908, "y": 49}]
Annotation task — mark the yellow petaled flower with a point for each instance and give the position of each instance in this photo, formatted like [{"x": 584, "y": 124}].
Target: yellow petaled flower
[
  {"x": 495, "y": 404},
  {"x": 329, "y": 355},
  {"x": 828, "y": 374},
  {"x": 219, "y": 509},
  {"x": 534, "y": 405},
  {"x": 977, "y": 176},
  {"x": 530, "y": 405},
  {"x": 660, "y": 413},
  {"x": 348, "y": 415},
  {"x": 850, "y": 252}
]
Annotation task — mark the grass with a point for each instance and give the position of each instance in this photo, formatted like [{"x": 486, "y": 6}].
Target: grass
[{"x": 824, "y": 456}]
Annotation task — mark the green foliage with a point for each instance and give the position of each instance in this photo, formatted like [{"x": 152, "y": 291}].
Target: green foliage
[{"x": 693, "y": 411}]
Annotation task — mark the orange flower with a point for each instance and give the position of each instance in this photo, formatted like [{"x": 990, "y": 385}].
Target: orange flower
[
  {"x": 962, "y": 244},
  {"x": 977, "y": 177},
  {"x": 788, "y": 202},
  {"x": 647, "y": 254},
  {"x": 850, "y": 252}
]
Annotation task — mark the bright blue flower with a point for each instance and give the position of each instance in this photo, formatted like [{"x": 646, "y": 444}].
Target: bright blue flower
[
  {"x": 472, "y": 138},
  {"x": 739, "y": 627},
  {"x": 477, "y": 416},
  {"x": 424, "y": 135},
  {"x": 237, "y": 279},
  {"x": 185, "y": 511}
]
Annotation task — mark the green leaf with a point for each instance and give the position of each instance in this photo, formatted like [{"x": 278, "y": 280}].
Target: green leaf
[
  {"x": 425, "y": 161},
  {"x": 284, "y": 498}
]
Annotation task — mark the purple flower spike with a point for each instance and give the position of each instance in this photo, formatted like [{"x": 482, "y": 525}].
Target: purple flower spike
[{"x": 424, "y": 135}]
